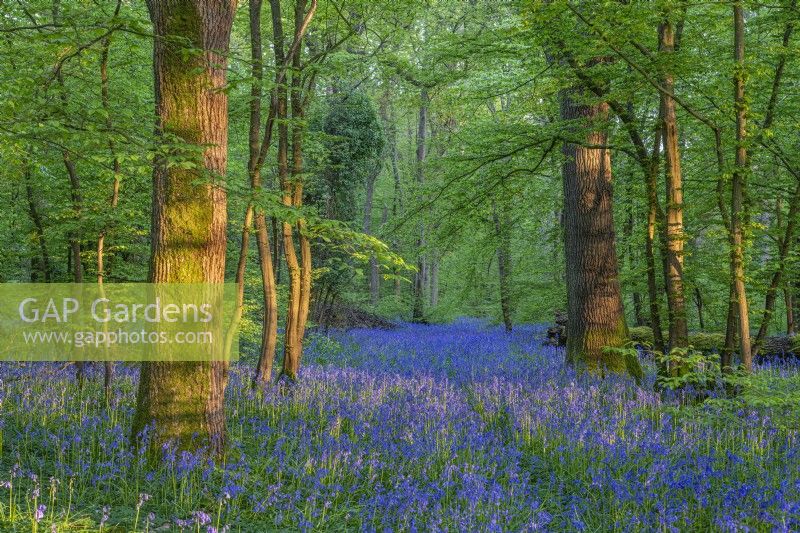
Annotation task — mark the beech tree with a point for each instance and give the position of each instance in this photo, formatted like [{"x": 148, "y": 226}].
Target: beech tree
[{"x": 184, "y": 400}]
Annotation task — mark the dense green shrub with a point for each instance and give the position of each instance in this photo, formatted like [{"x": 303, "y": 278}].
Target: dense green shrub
[
  {"x": 701, "y": 341},
  {"x": 707, "y": 342},
  {"x": 641, "y": 335}
]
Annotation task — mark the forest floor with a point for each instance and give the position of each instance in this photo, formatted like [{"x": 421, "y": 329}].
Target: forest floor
[{"x": 457, "y": 427}]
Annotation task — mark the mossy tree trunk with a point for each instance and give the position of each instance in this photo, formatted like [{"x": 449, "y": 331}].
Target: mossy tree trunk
[
  {"x": 738, "y": 185},
  {"x": 594, "y": 301},
  {"x": 184, "y": 401},
  {"x": 673, "y": 227}
]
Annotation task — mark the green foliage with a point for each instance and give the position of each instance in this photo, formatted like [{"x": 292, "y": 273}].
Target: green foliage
[
  {"x": 707, "y": 342},
  {"x": 626, "y": 357},
  {"x": 641, "y": 335},
  {"x": 689, "y": 370},
  {"x": 354, "y": 141}
]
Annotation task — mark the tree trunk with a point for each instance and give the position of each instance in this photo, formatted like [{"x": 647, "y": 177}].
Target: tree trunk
[
  {"x": 673, "y": 228},
  {"x": 258, "y": 150},
  {"x": 698, "y": 301},
  {"x": 787, "y": 298},
  {"x": 184, "y": 400},
  {"x": 105, "y": 99},
  {"x": 75, "y": 196},
  {"x": 397, "y": 200},
  {"x": 777, "y": 276},
  {"x": 433, "y": 282},
  {"x": 501, "y": 230},
  {"x": 292, "y": 264},
  {"x": 299, "y": 271},
  {"x": 627, "y": 233},
  {"x": 738, "y": 184},
  {"x": 653, "y": 217},
  {"x": 38, "y": 225},
  {"x": 373, "y": 282},
  {"x": 418, "y": 310},
  {"x": 594, "y": 302}
]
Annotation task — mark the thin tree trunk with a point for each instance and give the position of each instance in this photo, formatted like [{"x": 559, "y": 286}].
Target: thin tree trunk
[
  {"x": 501, "y": 230},
  {"x": 418, "y": 310},
  {"x": 397, "y": 200},
  {"x": 108, "y": 366},
  {"x": 298, "y": 124},
  {"x": 627, "y": 233},
  {"x": 653, "y": 216},
  {"x": 594, "y": 302},
  {"x": 258, "y": 151},
  {"x": 373, "y": 283},
  {"x": 75, "y": 196},
  {"x": 738, "y": 184},
  {"x": 38, "y": 225},
  {"x": 787, "y": 298},
  {"x": 433, "y": 282},
  {"x": 777, "y": 276},
  {"x": 184, "y": 400},
  {"x": 299, "y": 271},
  {"x": 698, "y": 301},
  {"x": 292, "y": 264}
]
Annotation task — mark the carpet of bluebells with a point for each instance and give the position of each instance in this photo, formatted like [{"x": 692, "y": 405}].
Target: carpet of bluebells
[{"x": 423, "y": 428}]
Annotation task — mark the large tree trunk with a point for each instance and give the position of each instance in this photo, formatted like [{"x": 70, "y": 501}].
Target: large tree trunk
[
  {"x": 185, "y": 400},
  {"x": 738, "y": 185},
  {"x": 594, "y": 301},
  {"x": 674, "y": 237}
]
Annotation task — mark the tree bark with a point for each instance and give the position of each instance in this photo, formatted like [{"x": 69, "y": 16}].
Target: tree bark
[
  {"x": 673, "y": 228},
  {"x": 698, "y": 300},
  {"x": 373, "y": 282},
  {"x": 738, "y": 184},
  {"x": 299, "y": 270},
  {"x": 594, "y": 302},
  {"x": 184, "y": 400},
  {"x": 105, "y": 99},
  {"x": 38, "y": 226},
  {"x": 418, "y": 310},
  {"x": 777, "y": 276},
  {"x": 501, "y": 229},
  {"x": 257, "y": 152},
  {"x": 654, "y": 215},
  {"x": 627, "y": 233},
  {"x": 787, "y": 298},
  {"x": 75, "y": 196}
]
